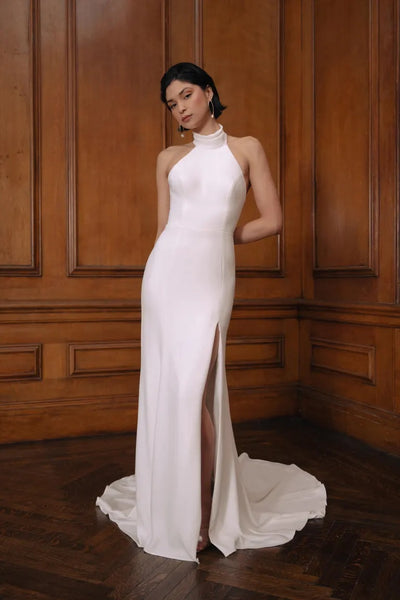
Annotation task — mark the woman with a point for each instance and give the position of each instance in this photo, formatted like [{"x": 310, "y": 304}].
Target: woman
[{"x": 190, "y": 487}]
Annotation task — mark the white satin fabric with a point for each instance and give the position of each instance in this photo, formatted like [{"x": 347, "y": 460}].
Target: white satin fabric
[{"x": 187, "y": 291}]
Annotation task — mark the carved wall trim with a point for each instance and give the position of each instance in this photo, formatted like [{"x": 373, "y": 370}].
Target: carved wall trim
[
  {"x": 24, "y": 362},
  {"x": 375, "y": 426},
  {"x": 33, "y": 269},
  {"x": 198, "y": 32},
  {"x": 322, "y": 348},
  {"x": 118, "y": 413},
  {"x": 381, "y": 315},
  {"x": 370, "y": 269},
  {"x": 397, "y": 249},
  {"x": 75, "y": 269},
  {"x": 279, "y": 269},
  {"x": 276, "y": 343},
  {"x": 39, "y": 311},
  {"x": 89, "y": 351},
  {"x": 49, "y": 419}
]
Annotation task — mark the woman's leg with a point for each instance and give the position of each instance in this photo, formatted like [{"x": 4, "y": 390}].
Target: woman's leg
[{"x": 207, "y": 447}]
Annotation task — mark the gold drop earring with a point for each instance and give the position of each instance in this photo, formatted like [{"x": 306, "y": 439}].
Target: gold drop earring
[
  {"x": 181, "y": 130},
  {"x": 211, "y": 107}
]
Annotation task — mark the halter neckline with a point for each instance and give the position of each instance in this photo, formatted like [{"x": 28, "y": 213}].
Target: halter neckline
[{"x": 212, "y": 140}]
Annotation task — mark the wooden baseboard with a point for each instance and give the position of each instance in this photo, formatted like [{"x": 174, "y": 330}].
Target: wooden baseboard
[
  {"x": 66, "y": 417},
  {"x": 376, "y": 427},
  {"x": 263, "y": 403},
  {"x": 85, "y": 417}
]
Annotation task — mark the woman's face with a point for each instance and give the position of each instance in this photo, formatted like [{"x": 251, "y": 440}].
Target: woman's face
[{"x": 188, "y": 103}]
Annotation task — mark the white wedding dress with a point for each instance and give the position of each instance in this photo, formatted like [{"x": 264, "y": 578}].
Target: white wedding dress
[{"x": 187, "y": 292}]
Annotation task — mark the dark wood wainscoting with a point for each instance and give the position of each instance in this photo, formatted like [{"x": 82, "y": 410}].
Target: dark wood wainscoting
[
  {"x": 80, "y": 366},
  {"x": 315, "y": 326}
]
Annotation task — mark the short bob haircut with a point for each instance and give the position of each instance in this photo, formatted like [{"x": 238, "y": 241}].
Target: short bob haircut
[{"x": 186, "y": 71}]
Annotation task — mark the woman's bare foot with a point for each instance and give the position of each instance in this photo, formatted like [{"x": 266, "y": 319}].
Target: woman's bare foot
[{"x": 204, "y": 540}]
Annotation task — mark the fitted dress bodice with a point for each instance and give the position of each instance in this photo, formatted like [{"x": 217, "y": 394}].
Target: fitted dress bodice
[{"x": 207, "y": 186}]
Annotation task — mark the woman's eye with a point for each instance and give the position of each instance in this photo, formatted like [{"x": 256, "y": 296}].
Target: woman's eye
[
  {"x": 187, "y": 96},
  {"x": 171, "y": 106}
]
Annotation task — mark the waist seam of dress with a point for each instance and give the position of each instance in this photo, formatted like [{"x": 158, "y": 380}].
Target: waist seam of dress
[{"x": 226, "y": 231}]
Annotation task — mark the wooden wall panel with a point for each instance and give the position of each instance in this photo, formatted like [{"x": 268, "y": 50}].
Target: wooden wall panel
[
  {"x": 111, "y": 90},
  {"x": 396, "y": 350},
  {"x": 348, "y": 372},
  {"x": 98, "y": 396},
  {"x": 91, "y": 366},
  {"x": 347, "y": 376},
  {"x": 262, "y": 346},
  {"x": 253, "y": 60},
  {"x": 183, "y": 19},
  {"x": 349, "y": 361},
  {"x": 20, "y": 362},
  {"x": 262, "y": 360},
  {"x": 248, "y": 76},
  {"x": 316, "y": 82},
  {"x": 345, "y": 142},
  {"x": 379, "y": 428},
  {"x": 349, "y": 173},
  {"x": 78, "y": 357},
  {"x": 354, "y": 360},
  {"x": 102, "y": 126},
  {"x": 103, "y": 358},
  {"x": 19, "y": 138}
]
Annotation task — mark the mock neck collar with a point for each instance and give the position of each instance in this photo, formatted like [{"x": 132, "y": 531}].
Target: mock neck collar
[{"x": 212, "y": 140}]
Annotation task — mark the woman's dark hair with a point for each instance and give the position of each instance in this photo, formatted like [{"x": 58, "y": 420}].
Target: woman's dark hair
[{"x": 185, "y": 71}]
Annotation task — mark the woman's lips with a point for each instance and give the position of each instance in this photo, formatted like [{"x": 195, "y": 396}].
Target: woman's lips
[{"x": 184, "y": 119}]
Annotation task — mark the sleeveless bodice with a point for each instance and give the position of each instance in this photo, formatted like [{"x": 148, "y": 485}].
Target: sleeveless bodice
[{"x": 207, "y": 186}]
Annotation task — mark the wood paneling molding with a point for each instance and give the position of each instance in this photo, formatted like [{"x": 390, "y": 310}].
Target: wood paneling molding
[
  {"x": 103, "y": 358},
  {"x": 20, "y": 362},
  {"x": 38, "y": 420},
  {"x": 265, "y": 352},
  {"x": 257, "y": 68},
  {"x": 74, "y": 268},
  {"x": 263, "y": 403},
  {"x": 368, "y": 268},
  {"x": 354, "y": 360},
  {"x": 64, "y": 311},
  {"x": 382, "y": 315},
  {"x": 198, "y": 32},
  {"x": 377, "y": 427},
  {"x": 88, "y": 203},
  {"x": 396, "y": 11},
  {"x": 10, "y": 161},
  {"x": 114, "y": 310}
]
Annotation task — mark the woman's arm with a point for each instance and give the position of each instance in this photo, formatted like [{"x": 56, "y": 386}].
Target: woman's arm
[
  {"x": 162, "y": 191},
  {"x": 265, "y": 195}
]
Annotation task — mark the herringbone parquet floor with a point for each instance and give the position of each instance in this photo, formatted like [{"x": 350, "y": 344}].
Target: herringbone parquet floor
[{"x": 55, "y": 545}]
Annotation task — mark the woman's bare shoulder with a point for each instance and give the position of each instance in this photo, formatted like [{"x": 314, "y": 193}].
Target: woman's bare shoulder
[
  {"x": 248, "y": 146},
  {"x": 246, "y": 142},
  {"x": 174, "y": 150},
  {"x": 166, "y": 153},
  {"x": 171, "y": 154}
]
